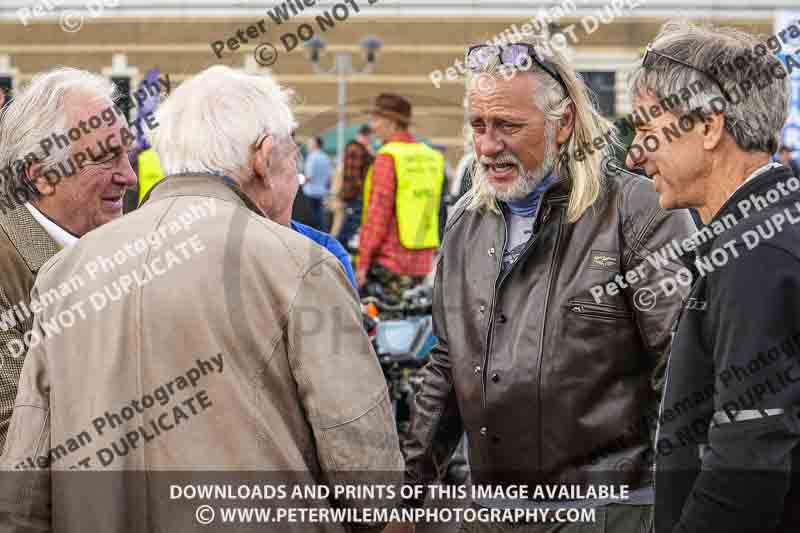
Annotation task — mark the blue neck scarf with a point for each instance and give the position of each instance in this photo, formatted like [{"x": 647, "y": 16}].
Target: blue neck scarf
[{"x": 526, "y": 207}]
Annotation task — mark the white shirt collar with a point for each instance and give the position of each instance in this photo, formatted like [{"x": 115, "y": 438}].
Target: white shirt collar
[{"x": 59, "y": 234}]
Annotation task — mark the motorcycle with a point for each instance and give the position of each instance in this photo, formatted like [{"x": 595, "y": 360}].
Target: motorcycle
[{"x": 403, "y": 339}]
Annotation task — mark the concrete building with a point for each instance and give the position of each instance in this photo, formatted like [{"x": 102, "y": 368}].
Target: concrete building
[{"x": 419, "y": 38}]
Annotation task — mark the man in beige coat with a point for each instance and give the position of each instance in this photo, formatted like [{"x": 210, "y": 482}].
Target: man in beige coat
[{"x": 201, "y": 336}]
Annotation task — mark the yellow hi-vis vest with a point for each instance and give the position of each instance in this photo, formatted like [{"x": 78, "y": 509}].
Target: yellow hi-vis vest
[
  {"x": 420, "y": 178},
  {"x": 150, "y": 172}
]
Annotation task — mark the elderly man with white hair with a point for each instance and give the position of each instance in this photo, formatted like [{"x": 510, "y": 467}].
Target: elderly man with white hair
[
  {"x": 203, "y": 337},
  {"x": 63, "y": 171},
  {"x": 730, "y": 415}
]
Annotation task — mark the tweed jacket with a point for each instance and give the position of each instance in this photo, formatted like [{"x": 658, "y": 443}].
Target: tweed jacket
[{"x": 24, "y": 248}]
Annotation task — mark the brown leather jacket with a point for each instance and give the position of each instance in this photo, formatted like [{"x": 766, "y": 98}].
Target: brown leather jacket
[{"x": 548, "y": 384}]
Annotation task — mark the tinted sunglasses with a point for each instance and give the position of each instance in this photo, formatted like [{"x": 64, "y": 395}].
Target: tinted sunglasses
[
  {"x": 480, "y": 55},
  {"x": 651, "y": 56}
]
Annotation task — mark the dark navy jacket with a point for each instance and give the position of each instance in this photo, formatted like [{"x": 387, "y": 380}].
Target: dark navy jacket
[{"x": 728, "y": 444}]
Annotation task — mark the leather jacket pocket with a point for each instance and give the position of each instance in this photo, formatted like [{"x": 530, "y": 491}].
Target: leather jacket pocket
[
  {"x": 601, "y": 339},
  {"x": 595, "y": 310}
]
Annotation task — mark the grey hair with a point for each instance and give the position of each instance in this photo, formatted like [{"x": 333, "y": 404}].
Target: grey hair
[
  {"x": 36, "y": 113},
  {"x": 549, "y": 98},
  {"x": 211, "y": 121},
  {"x": 755, "y": 115}
]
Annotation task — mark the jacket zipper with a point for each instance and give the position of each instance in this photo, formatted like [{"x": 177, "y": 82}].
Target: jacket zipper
[
  {"x": 673, "y": 332},
  {"x": 553, "y": 266},
  {"x": 597, "y": 310}
]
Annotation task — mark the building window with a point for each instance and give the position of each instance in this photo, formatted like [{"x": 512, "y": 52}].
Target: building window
[{"x": 603, "y": 86}]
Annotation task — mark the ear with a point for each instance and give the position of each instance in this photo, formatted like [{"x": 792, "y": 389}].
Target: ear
[
  {"x": 712, "y": 130},
  {"x": 566, "y": 124},
  {"x": 261, "y": 160},
  {"x": 36, "y": 178}
]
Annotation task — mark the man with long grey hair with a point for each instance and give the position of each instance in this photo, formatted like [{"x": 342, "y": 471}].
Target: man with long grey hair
[
  {"x": 205, "y": 338},
  {"x": 729, "y": 425},
  {"x": 63, "y": 171},
  {"x": 550, "y": 382}
]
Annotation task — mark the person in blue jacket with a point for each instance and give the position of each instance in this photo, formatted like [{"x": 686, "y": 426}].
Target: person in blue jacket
[{"x": 328, "y": 242}]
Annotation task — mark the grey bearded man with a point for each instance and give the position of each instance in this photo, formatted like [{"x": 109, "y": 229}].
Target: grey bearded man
[{"x": 549, "y": 384}]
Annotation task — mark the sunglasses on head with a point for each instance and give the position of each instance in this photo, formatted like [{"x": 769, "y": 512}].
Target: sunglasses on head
[
  {"x": 480, "y": 56},
  {"x": 651, "y": 56}
]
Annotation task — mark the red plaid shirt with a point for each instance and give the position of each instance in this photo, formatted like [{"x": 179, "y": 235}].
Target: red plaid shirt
[{"x": 379, "y": 240}]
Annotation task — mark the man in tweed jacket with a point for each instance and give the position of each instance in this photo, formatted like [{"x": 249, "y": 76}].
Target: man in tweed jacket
[
  {"x": 63, "y": 172},
  {"x": 24, "y": 248}
]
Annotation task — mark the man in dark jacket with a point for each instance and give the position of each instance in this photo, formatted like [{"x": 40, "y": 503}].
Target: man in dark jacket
[
  {"x": 728, "y": 426},
  {"x": 545, "y": 355}
]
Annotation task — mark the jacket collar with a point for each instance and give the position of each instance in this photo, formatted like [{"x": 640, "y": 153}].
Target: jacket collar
[
  {"x": 198, "y": 184},
  {"x": 555, "y": 193},
  {"x": 527, "y": 206},
  {"x": 33, "y": 243},
  {"x": 757, "y": 186},
  {"x": 558, "y": 191},
  {"x": 62, "y": 237}
]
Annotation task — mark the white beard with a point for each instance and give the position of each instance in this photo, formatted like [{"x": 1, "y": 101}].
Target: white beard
[{"x": 526, "y": 181}]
